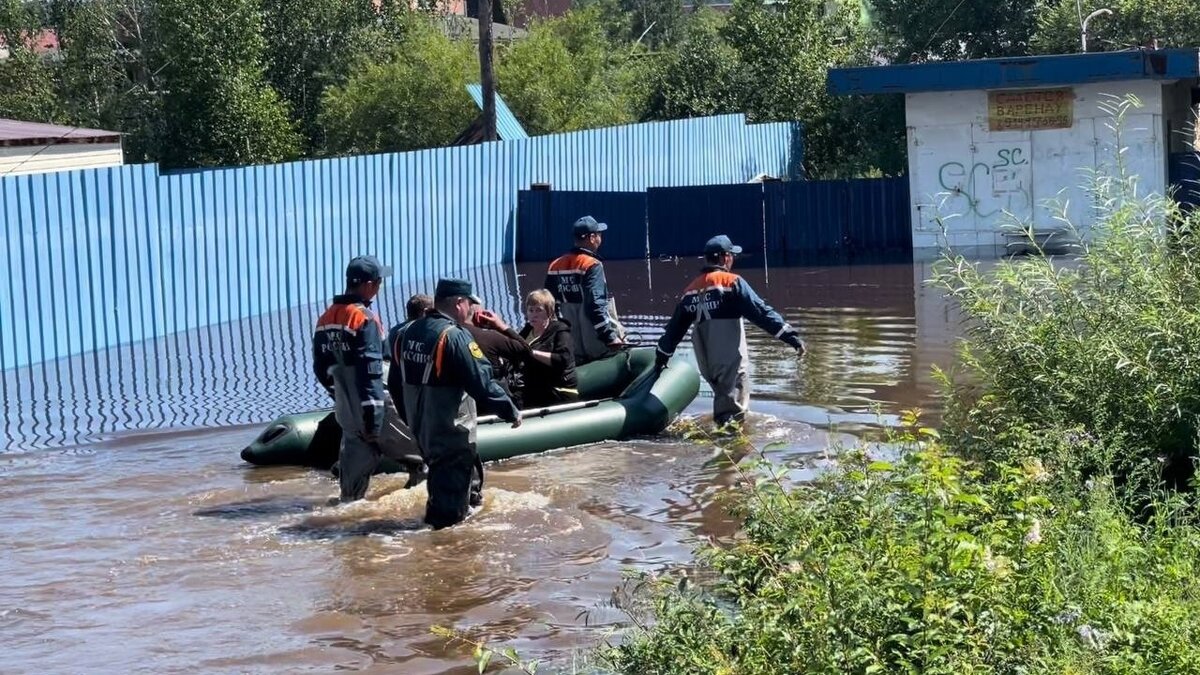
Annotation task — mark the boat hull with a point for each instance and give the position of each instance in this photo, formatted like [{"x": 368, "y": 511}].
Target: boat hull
[{"x": 623, "y": 395}]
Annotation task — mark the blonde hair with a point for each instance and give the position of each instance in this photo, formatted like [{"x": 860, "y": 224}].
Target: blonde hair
[{"x": 541, "y": 298}]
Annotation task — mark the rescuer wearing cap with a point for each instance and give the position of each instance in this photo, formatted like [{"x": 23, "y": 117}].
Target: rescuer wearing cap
[
  {"x": 443, "y": 374},
  {"x": 716, "y": 302},
  {"x": 576, "y": 280},
  {"x": 348, "y": 361}
]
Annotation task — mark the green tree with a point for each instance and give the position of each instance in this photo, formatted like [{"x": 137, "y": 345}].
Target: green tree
[
  {"x": 785, "y": 54},
  {"x": 919, "y": 30},
  {"x": 216, "y": 104},
  {"x": 92, "y": 76},
  {"x": 414, "y": 99},
  {"x": 567, "y": 75},
  {"x": 27, "y": 89},
  {"x": 771, "y": 61},
  {"x": 700, "y": 76},
  {"x": 1133, "y": 23},
  {"x": 313, "y": 44},
  {"x": 656, "y": 23}
]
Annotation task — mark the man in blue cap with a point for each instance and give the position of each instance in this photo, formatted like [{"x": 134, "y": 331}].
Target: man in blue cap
[
  {"x": 443, "y": 375},
  {"x": 347, "y": 349},
  {"x": 716, "y": 302},
  {"x": 576, "y": 280}
]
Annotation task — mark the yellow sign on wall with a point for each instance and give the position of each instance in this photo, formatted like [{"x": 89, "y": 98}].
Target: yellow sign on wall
[{"x": 1029, "y": 109}]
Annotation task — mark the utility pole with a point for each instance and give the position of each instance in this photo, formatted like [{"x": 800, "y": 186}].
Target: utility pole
[{"x": 486, "y": 76}]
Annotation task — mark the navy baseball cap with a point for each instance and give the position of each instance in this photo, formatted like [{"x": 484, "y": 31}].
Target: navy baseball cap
[
  {"x": 721, "y": 244},
  {"x": 366, "y": 268},
  {"x": 448, "y": 288},
  {"x": 587, "y": 225}
]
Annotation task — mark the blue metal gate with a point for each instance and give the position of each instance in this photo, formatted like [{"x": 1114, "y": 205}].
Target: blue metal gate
[
  {"x": 1184, "y": 174},
  {"x": 823, "y": 222},
  {"x": 791, "y": 223},
  {"x": 544, "y": 219},
  {"x": 682, "y": 219}
]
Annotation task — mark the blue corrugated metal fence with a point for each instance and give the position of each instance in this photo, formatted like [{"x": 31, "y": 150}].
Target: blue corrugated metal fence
[
  {"x": 682, "y": 219},
  {"x": 861, "y": 220},
  {"x": 1184, "y": 174},
  {"x": 804, "y": 222},
  {"x": 544, "y": 219},
  {"x": 120, "y": 255},
  {"x": 791, "y": 223}
]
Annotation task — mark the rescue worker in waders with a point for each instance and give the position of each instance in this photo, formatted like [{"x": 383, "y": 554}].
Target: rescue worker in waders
[
  {"x": 443, "y": 375},
  {"x": 716, "y": 302},
  {"x": 576, "y": 280},
  {"x": 347, "y": 349}
]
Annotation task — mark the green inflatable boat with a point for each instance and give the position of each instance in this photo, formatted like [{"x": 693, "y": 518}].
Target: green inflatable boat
[{"x": 621, "y": 396}]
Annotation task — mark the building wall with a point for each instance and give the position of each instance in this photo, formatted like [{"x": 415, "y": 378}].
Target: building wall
[
  {"x": 978, "y": 181},
  {"x": 20, "y": 160}
]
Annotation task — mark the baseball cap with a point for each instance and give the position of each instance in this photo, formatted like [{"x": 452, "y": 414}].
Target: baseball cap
[
  {"x": 448, "y": 288},
  {"x": 721, "y": 244},
  {"x": 587, "y": 225},
  {"x": 366, "y": 268}
]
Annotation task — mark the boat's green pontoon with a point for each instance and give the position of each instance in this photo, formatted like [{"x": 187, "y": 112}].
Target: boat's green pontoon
[{"x": 621, "y": 396}]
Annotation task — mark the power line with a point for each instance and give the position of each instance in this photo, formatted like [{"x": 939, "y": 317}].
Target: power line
[{"x": 942, "y": 25}]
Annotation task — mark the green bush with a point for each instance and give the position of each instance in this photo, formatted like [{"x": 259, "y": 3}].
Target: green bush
[
  {"x": 921, "y": 565},
  {"x": 567, "y": 75},
  {"x": 409, "y": 98},
  {"x": 1107, "y": 342},
  {"x": 1034, "y": 534}
]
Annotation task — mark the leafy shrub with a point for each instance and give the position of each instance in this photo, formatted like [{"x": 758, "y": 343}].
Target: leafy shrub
[
  {"x": 923, "y": 566},
  {"x": 412, "y": 98},
  {"x": 1107, "y": 342}
]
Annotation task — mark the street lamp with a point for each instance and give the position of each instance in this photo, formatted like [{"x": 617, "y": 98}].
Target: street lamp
[{"x": 1083, "y": 32}]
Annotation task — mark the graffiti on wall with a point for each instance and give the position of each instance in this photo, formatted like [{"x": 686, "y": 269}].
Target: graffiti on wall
[{"x": 999, "y": 180}]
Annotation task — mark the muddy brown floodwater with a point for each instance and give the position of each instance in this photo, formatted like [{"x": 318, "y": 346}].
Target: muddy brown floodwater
[{"x": 135, "y": 539}]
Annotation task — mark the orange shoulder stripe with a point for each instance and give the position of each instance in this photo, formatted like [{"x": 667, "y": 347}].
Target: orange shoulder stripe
[
  {"x": 573, "y": 261},
  {"x": 439, "y": 353},
  {"x": 351, "y": 316},
  {"x": 712, "y": 279}
]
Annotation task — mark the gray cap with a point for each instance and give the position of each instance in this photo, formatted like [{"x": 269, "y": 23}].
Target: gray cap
[
  {"x": 587, "y": 225},
  {"x": 366, "y": 268},
  {"x": 721, "y": 244}
]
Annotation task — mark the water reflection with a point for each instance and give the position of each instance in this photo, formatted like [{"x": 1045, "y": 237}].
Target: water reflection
[{"x": 873, "y": 332}]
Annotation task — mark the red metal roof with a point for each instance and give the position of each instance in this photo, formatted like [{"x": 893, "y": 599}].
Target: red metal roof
[
  {"x": 15, "y": 132},
  {"x": 41, "y": 42}
]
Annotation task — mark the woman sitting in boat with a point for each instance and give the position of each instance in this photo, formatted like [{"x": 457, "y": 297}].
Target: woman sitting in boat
[{"x": 548, "y": 378}]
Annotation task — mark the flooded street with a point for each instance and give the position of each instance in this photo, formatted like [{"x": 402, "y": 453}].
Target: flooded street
[{"x": 136, "y": 540}]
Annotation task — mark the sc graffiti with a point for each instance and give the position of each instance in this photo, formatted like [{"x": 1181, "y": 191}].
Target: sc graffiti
[{"x": 1009, "y": 183}]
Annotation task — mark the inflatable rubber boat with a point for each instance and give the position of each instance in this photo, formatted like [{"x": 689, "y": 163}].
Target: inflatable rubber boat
[{"x": 620, "y": 396}]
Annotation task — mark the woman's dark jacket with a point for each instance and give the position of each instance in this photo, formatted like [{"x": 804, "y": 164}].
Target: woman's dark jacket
[{"x": 545, "y": 385}]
